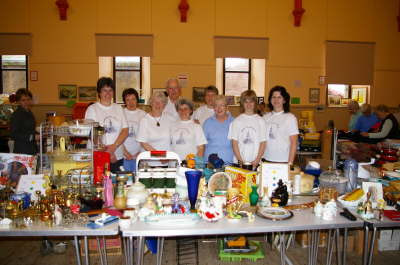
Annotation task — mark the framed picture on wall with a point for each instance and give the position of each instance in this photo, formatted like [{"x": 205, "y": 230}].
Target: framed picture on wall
[
  {"x": 87, "y": 93},
  {"x": 67, "y": 92},
  {"x": 313, "y": 96},
  {"x": 198, "y": 94},
  {"x": 163, "y": 90}
]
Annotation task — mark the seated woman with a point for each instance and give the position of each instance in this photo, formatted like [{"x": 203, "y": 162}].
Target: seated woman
[
  {"x": 216, "y": 129},
  {"x": 367, "y": 120},
  {"x": 354, "y": 110},
  {"x": 112, "y": 117},
  {"x": 388, "y": 128},
  {"x": 282, "y": 129},
  {"x": 154, "y": 127},
  {"x": 248, "y": 132},
  {"x": 187, "y": 137}
]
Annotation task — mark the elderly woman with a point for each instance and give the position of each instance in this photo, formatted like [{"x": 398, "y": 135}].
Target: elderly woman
[
  {"x": 187, "y": 137},
  {"x": 354, "y": 110},
  {"x": 216, "y": 129},
  {"x": 154, "y": 127},
  {"x": 133, "y": 116},
  {"x": 282, "y": 130},
  {"x": 112, "y": 117},
  {"x": 388, "y": 128},
  {"x": 367, "y": 120},
  {"x": 248, "y": 132},
  {"x": 22, "y": 124}
]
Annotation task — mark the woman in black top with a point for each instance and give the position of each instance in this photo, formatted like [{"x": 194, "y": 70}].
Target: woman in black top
[
  {"x": 389, "y": 126},
  {"x": 22, "y": 124}
]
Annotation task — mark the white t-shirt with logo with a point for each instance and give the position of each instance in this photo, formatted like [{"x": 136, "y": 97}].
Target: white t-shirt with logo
[
  {"x": 157, "y": 136},
  {"x": 185, "y": 137},
  {"x": 203, "y": 113},
  {"x": 280, "y": 126},
  {"x": 250, "y": 132},
  {"x": 133, "y": 118},
  {"x": 112, "y": 118},
  {"x": 170, "y": 110}
]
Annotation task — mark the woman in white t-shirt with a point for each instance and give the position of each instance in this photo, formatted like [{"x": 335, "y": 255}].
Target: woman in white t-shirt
[
  {"x": 247, "y": 132},
  {"x": 112, "y": 117},
  {"x": 282, "y": 129},
  {"x": 187, "y": 137},
  {"x": 133, "y": 116},
  {"x": 154, "y": 127}
]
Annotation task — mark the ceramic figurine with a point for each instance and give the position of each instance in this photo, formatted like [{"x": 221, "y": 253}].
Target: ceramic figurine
[
  {"x": 280, "y": 195},
  {"x": 209, "y": 211},
  {"x": 330, "y": 210},
  {"x": 149, "y": 204},
  {"x": 143, "y": 212},
  {"x": 57, "y": 215},
  {"x": 318, "y": 209},
  {"x": 368, "y": 212}
]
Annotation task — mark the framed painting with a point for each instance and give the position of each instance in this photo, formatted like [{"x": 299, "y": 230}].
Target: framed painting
[
  {"x": 87, "y": 93},
  {"x": 67, "y": 92}
]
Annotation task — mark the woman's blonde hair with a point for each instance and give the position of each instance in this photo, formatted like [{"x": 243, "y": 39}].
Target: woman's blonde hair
[
  {"x": 248, "y": 94},
  {"x": 221, "y": 98}
]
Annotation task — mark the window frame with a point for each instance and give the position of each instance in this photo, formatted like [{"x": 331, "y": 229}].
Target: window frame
[
  {"x": 241, "y": 72},
  {"x": 140, "y": 70},
  {"x": 349, "y": 95},
  {"x": 26, "y": 69}
]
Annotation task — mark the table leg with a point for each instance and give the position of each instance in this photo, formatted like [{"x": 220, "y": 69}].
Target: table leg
[
  {"x": 345, "y": 237},
  {"x": 85, "y": 240},
  {"x": 282, "y": 247},
  {"x": 140, "y": 247},
  {"x": 160, "y": 249},
  {"x": 131, "y": 250},
  {"x": 100, "y": 250},
  {"x": 328, "y": 247},
  {"x": 338, "y": 260},
  {"x": 365, "y": 249},
  {"x": 310, "y": 262},
  {"x": 105, "y": 250},
  {"x": 316, "y": 245},
  {"x": 77, "y": 250},
  {"x": 371, "y": 247}
]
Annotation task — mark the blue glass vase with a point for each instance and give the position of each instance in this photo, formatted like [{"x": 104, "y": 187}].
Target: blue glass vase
[{"x": 193, "y": 180}]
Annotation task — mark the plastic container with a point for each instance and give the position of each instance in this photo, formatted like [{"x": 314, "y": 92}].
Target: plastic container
[{"x": 333, "y": 179}]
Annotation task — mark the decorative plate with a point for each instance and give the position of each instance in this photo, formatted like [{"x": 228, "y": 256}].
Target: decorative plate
[
  {"x": 219, "y": 181},
  {"x": 274, "y": 213}
]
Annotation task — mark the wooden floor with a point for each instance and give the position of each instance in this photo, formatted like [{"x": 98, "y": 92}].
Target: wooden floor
[{"x": 26, "y": 251}]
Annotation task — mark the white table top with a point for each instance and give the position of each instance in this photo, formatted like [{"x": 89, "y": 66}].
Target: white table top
[
  {"x": 42, "y": 230},
  {"x": 302, "y": 220},
  {"x": 386, "y": 222}
]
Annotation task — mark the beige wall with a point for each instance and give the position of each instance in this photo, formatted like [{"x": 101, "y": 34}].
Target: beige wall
[{"x": 64, "y": 51}]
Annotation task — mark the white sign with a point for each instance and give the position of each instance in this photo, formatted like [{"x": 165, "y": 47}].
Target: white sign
[
  {"x": 32, "y": 183},
  {"x": 271, "y": 173}
]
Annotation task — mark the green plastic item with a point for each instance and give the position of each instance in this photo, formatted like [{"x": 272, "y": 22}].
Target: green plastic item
[{"x": 254, "y": 256}]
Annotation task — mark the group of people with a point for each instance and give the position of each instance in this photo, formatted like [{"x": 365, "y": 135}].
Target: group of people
[
  {"x": 172, "y": 124},
  {"x": 372, "y": 126}
]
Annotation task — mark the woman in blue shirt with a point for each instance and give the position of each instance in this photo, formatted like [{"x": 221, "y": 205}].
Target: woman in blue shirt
[{"x": 216, "y": 129}]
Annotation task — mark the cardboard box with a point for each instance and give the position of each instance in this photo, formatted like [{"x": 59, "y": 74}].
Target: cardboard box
[
  {"x": 385, "y": 234},
  {"x": 396, "y": 235},
  {"x": 386, "y": 245},
  {"x": 242, "y": 179}
]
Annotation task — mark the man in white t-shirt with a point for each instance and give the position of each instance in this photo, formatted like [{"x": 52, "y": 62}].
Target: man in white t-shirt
[
  {"x": 174, "y": 92},
  {"x": 187, "y": 137},
  {"x": 132, "y": 148},
  {"x": 206, "y": 111}
]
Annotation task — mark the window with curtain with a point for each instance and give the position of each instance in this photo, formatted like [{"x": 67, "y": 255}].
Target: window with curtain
[{"x": 13, "y": 73}]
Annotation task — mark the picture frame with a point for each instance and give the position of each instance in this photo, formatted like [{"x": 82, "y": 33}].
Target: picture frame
[
  {"x": 67, "y": 92},
  {"x": 153, "y": 90},
  {"x": 314, "y": 95},
  {"x": 34, "y": 76},
  {"x": 260, "y": 100},
  {"x": 87, "y": 93},
  {"x": 198, "y": 94}
]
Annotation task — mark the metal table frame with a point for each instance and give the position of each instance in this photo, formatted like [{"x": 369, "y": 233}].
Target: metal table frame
[
  {"x": 374, "y": 225},
  {"x": 303, "y": 220},
  {"x": 75, "y": 232}
]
